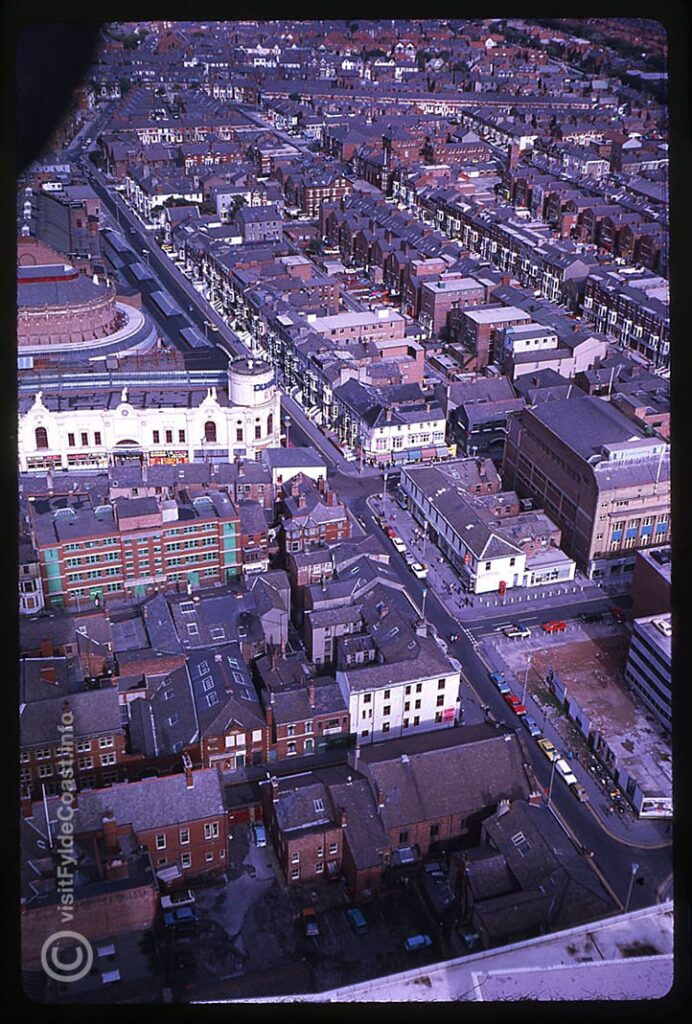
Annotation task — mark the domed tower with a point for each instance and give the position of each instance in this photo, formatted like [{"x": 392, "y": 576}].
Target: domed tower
[{"x": 256, "y": 401}]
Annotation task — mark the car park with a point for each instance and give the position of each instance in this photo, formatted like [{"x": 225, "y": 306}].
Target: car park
[
  {"x": 310, "y": 925},
  {"x": 514, "y": 703},
  {"x": 498, "y": 678},
  {"x": 414, "y": 942},
  {"x": 579, "y": 791},
  {"x": 357, "y": 921},
  {"x": 554, "y": 626},
  {"x": 419, "y": 570},
  {"x": 260, "y": 835},
  {"x": 518, "y": 631},
  {"x": 532, "y": 726},
  {"x": 549, "y": 750}
]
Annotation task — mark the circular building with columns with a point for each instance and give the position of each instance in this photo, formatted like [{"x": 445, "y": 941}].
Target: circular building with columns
[
  {"x": 160, "y": 420},
  {"x": 65, "y": 315}
]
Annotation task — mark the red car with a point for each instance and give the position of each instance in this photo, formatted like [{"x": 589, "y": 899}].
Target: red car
[
  {"x": 514, "y": 703},
  {"x": 554, "y": 626}
]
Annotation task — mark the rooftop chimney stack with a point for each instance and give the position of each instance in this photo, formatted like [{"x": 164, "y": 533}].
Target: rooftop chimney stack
[
  {"x": 275, "y": 788},
  {"x": 342, "y": 813},
  {"x": 110, "y": 831},
  {"x": 187, "y": 764},
  {"x": 380, "y": 799},
  {"x": 311, "y": 695}
]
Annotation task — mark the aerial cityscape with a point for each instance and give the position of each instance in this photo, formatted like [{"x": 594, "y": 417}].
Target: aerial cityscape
[{"x": 344, "y": 555}]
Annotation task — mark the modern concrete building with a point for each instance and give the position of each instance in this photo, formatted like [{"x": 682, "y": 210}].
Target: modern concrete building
[
  {"x": 648, "y": 668},
  {"x": 603, "y": 481}
]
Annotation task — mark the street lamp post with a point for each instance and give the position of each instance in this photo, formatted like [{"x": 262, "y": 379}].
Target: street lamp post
[
  {"x": 635, "y": 869},
  {"x": 422, "y": 610},
  {"x": 425, "y": 537},
  {"x": 287, "y": 424},
  {"x": 552, "y": 776},
  {"x": 384, "y": 496},
  {"x": 526, "y": 679}
]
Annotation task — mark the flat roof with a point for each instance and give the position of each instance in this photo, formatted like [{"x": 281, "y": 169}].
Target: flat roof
[{"x": 496, "y": 314}]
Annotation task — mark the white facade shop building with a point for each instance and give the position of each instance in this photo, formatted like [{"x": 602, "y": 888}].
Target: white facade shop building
[
  {"x": 486, "y": 552},
  {"x": 80, "y": 427}
]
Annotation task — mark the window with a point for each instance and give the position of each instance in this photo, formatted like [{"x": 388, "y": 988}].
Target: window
[
  {"x": 365, "y": 732},
  {"x": 169, "y": 436},
  {"x": 84, "y": 763},
  {"x": 387, "y": 695},
  {"x": 70, "y": 440},
  {"x": 210, "y": 431},
  {"x": 385, "y": 727},
  {"x": 441, "y": 684},
  {"x": 161, "y": 841},
  {"x": 295, "y": 858},
  {"x": 85, "y": 438},
  {"x": 41, "y": 437},
  {"x": 367, "y": 698},
  {"x": 291, "y": 747},
  {"x": 419, "y": 687},
  {"x": 308, "y": 726},
  {"x": 438, "y": 717},
  {"x": 181, "y": 436},
  {"x": 407, "y": 690},
  {"x": 440, "y": 700},
  {"x": 209, "y": 856},
  {"x": 403, "y": 837},
  {"x": 105, "y": 741},
  {"x": 417, "y": 705},
  {"x": 211, "y": 830},
  {"x": 108, "y": 758},
  {"x": 239, "y": 433},
  {"x": 97, "y": 437},
  {"x": 156, "y": 436},
  {"x": 290, "y": 730},
  {"x": 258, "y": 431},
  {"x": 184, "y": 836},
  {"x": 434, "y": 831},
  {"x": 83, "y": 746},
  {"x": 387, "y": 709},
  {"x": 186, "y": 860},
  {"x": 295, "y": 873},
  {"x": 487, "y": 565},
  {"x": 333, "y": 848},
  {"x": 416, "y": 720}
]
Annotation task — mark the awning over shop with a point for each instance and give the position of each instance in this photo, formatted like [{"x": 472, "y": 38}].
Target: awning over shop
[
  {"x": 429, "y": 453},
  {"x": 413, "y": 454}
]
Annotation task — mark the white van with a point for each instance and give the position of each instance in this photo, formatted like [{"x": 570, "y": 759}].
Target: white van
[{"x": 562, "y": 766}]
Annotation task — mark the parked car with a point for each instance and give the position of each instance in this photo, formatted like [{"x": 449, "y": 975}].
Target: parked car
[
  {"x": 357, "y": 921},
  {"x": 414, "y": 942},
  {"x": 549, "y": 750},
  {"x": 554, "y": 626},
  {"x": 419, "y": 570},
  {"x": 579, "y": 791},
  {"x": 514, "y": 703},
  {"x": 260, "y": 835},
  {"x": 409, "y": 558},
  {"x": 532, "y": 725},
  {"x": 398, "y": 544},
  {"x": 310, "y": 924},
  {"x": 498, "y": 678},
  {"x": 564, "y": 770},
  {"x": 184, "y": 898},
  {"x": 592, "y": 617},
  {"x": 518, "y": 630}
]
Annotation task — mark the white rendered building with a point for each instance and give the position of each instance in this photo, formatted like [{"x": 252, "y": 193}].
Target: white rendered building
[{"x": 79, "y": 425}]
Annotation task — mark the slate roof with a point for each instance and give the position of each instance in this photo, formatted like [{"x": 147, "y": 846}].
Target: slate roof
[
  {"x": 293, "y": 705},
  {"x": 95, "y": 712},
  {"x": 437, "y": 774},
  {"x": 165, "y": 721},
  {"x": 152, "y": 803}
]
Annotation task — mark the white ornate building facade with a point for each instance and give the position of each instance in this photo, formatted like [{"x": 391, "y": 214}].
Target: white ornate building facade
[{"x": 80, "y": 427}]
